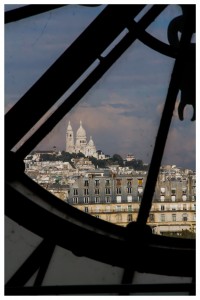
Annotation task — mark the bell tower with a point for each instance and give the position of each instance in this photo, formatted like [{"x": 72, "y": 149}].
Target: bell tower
[{"x": 69, "y": 139}]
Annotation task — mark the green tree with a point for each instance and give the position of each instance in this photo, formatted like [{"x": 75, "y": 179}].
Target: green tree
[
  {"x": 79, "y": 155},
  {"x": 117, "y": 158},
  {"x": 98, "y": 162},
  {"x": 188, "y": 234},
  {"x": 137, "y": 164}
]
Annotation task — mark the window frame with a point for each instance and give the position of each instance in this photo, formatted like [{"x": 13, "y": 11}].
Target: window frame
[{"x": 38, "y": 201}]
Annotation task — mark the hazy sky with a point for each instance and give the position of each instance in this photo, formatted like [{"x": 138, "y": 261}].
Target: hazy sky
[{"x": 122, "y": 111}]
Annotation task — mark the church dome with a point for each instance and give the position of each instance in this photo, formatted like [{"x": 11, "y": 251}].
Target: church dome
[
  {"x": 81, "y": 131},
  {"x": 91, "y": 143}
]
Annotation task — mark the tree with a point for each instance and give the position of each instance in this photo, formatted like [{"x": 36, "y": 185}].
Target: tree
[
  {"x": 98, "y": 162},
  {"x": 188, "y": 234},
  {"x": 137, "y": 164},
  {"x": 184, "y": 234},
  {"x": 117, "y": 158},
  {"x": 79, "y": 155}
]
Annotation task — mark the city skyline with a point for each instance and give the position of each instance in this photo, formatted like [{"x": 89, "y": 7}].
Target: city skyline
[{"x": 122, "y": 111}]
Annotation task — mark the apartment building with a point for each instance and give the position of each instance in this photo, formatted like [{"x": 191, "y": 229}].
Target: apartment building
[{"x": 116, "y": 198}]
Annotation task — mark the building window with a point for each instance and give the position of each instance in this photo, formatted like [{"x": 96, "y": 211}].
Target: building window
[
  {"x": 174, "y": 207},
  {"x": 194, "y": 198},
  {"x": 129, "y": 190},
  {"x": 162, "y": 218},
  {"x": 129, "y": 182},
  {"x": 118, "y": 182},
  {"x": 184, "y": 190},
  {"x": 184, "y": 217},
  {"x": 86, "y": 191},
  {"x": 184, "y": 207},
  {"x": 151, "y": 218},
  {"x": 107, "y": 182},
  {"x": 118, "y": 208},
  {"x": 108, "y": 199},
  {"x": 107, "y": 191},
  {"x": 75, "y": 192},
  {"x": 96, "y": 191},
  {"x": 118, "y": 191},
  {"x": 194, "y": 206},
  {"x": 129, "y": 218},
  {"x": 173, "y": 194},
  {"x": 119, "y": 199},
  {"x": 140, "y": 181},
  {"x": 75, "y": 200},
  {"x": 184, "y": 197},
  {"x": 97, "y": 199},
  {"x": 118, "y": 217},
  {"x": 129, "y": 198},
  {"x": 86, "y": 209},
  {"x": 162, "y": 207},
  {"x": 174, "y": 217},
  {"x": 194, "y": 217},
  {"x": 129, "y": 207},
  {"x": 162, "y": 198},
  {"x": 86, "y": 183},
  {"x": 96, "y": 182},
  {"x": 86, "y": 199},
  {"x": 162, "y": 191},
  {"x": 173, "y": 198},
  {"x": 140, "y": 190}
]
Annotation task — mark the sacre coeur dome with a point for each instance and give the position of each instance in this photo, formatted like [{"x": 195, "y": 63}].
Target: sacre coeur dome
[{"x": 81, "y": 131}]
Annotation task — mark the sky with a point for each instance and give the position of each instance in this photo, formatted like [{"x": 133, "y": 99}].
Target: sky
[{"x": 122, "y": 111}]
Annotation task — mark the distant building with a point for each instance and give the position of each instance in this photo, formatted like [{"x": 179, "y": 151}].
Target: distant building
[
  {"x": 130, "y": 157},
  {"x": 101, "y": 155},
  {"x": 115, "y": 194},
  {"x": 80, "y": 144}
]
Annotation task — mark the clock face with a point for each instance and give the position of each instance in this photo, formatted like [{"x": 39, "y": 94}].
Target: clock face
[{"x": 111, "y": 82}]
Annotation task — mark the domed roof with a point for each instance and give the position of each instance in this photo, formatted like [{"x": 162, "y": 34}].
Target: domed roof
[
  {"x": 91, "y": 143},
  {"x": 81, "y": 131}
]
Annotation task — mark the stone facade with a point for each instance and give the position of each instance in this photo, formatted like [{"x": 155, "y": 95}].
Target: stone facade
[
  {"x": 115, "y": 194},
  {"x": 116, "y": 198}
]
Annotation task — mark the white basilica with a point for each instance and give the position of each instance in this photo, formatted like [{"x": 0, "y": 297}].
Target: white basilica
[{"x": 81, "y": 144}]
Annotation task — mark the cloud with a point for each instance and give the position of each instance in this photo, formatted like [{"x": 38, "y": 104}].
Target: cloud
[
  {"x": 181, "y": 144},
  {"x": 111, "y": 131},
  {"x": 122, "y": 111},
  {"x": 117, "y": 126}
]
